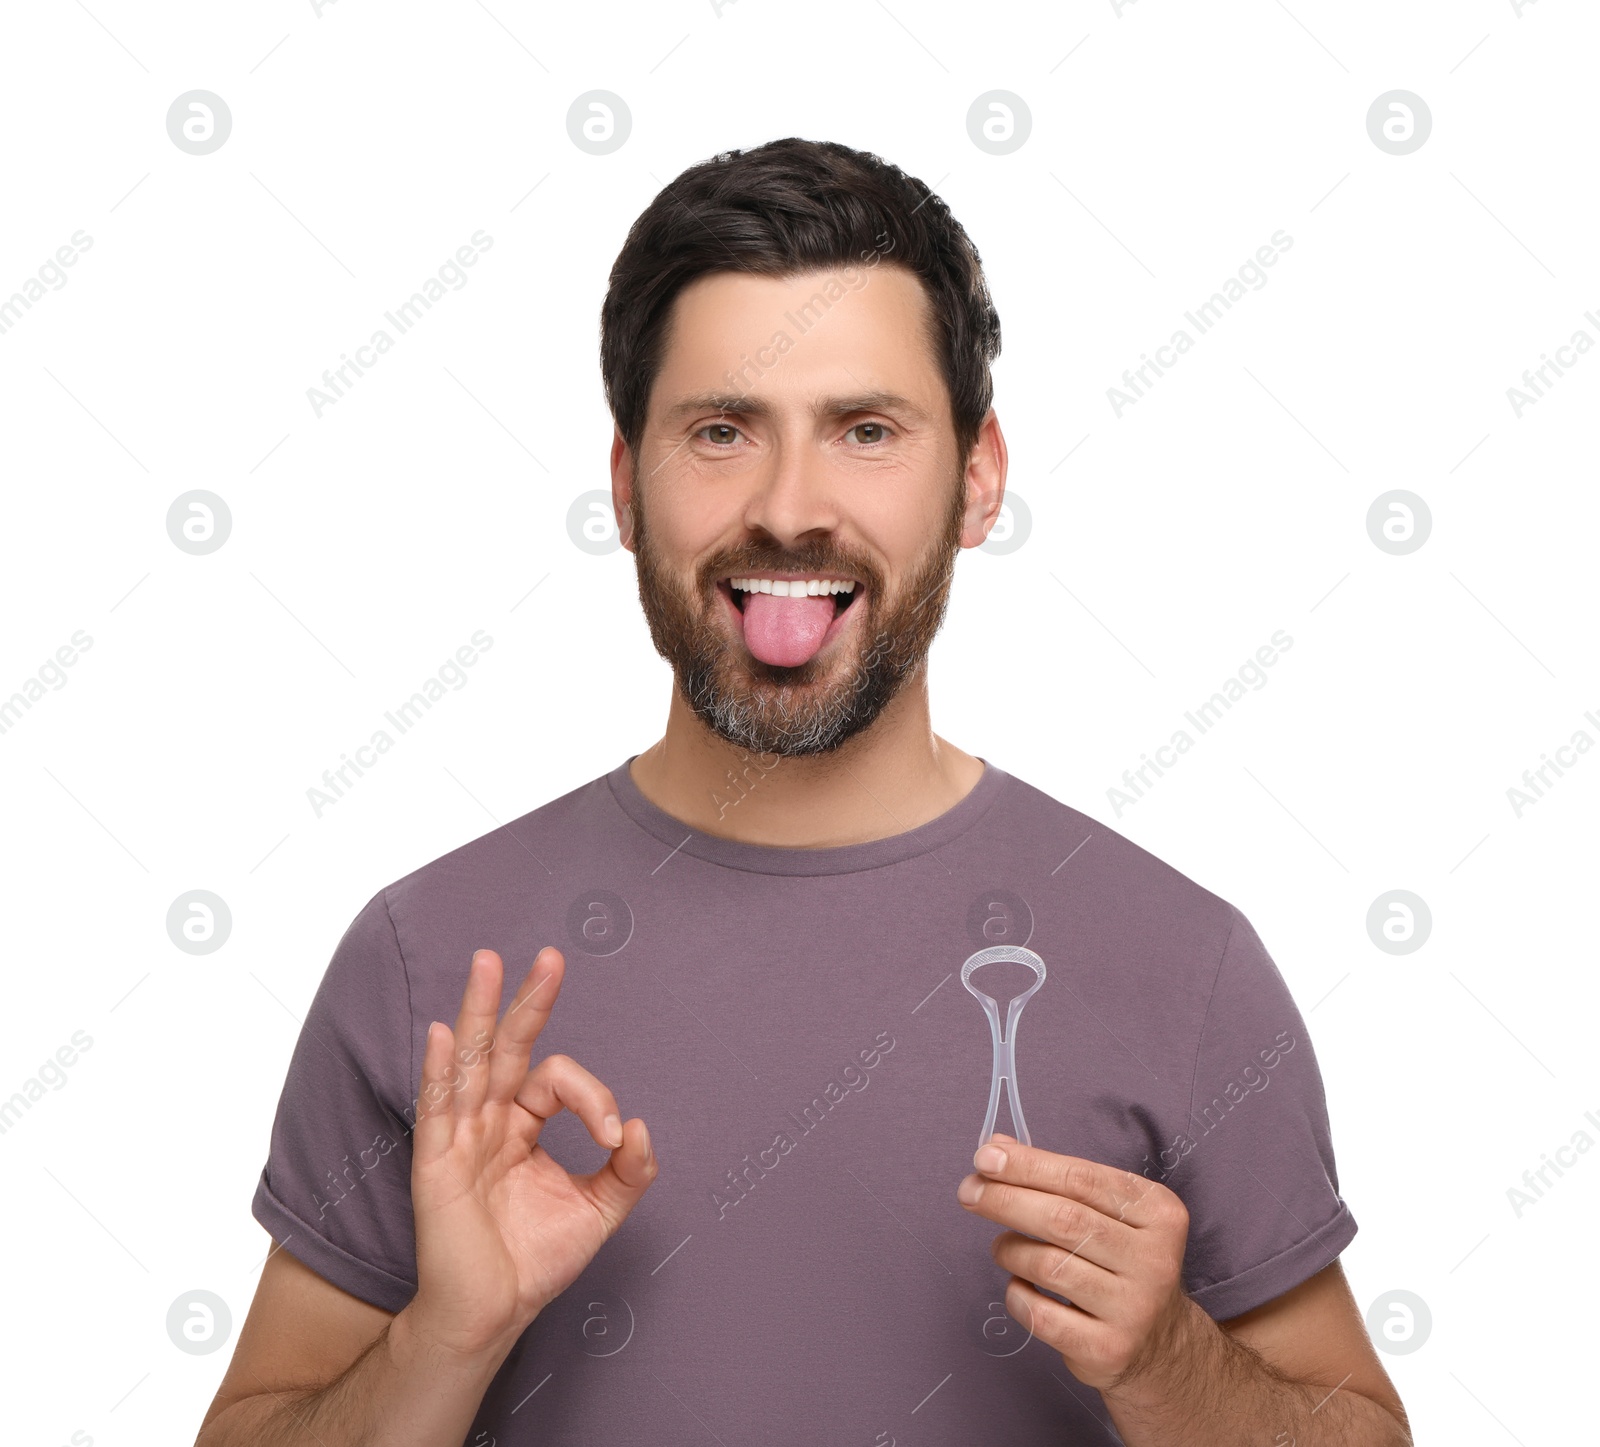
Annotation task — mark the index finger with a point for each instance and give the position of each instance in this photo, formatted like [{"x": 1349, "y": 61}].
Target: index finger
[
  {"x": 525, "y": 1017},
  {"x": 1119, "y": 1194}
]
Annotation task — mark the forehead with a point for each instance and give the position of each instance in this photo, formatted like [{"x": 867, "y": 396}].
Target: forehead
[{"x": 833, "y": 329}]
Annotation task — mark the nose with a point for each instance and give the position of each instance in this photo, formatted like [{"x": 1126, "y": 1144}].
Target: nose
[{"x": 794, "y": 496}]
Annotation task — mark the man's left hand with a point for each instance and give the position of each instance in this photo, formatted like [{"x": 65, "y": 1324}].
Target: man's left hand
[{"x": 1108, "y": 1240}]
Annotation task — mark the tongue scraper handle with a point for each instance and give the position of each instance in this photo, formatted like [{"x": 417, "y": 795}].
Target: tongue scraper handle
[{"x": 1005, "y": 1047}]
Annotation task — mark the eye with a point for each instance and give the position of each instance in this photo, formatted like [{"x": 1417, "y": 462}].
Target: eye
[
  {"x": 868, "y": 433},
  {"x": 722, "y": 433}
]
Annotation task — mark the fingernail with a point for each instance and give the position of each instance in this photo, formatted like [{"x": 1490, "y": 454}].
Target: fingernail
[
  {"x": 612, "y": 1129},
  {"x": 990, "y": 1158},
  {"x": 649, "y": 1149},
  {"x": 970, "y": 1189}
]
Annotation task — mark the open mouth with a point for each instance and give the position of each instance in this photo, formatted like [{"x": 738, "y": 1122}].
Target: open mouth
[
  {"x": 842, "y": 591},
  {"x": 787, "y": 621}
]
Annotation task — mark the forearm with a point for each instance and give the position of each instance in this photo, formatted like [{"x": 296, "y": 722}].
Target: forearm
[
  {"x": 400, "y": 1392},
  {"x": 1202, "y": 1388}
]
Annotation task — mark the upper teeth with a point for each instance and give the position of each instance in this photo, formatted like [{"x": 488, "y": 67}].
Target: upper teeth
[{"x": 787, "y": 587}]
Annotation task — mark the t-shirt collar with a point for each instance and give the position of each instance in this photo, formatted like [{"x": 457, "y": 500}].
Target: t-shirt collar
[{"x": 778, "y": 859}]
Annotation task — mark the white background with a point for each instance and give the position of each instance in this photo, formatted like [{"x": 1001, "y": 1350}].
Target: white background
[{"x": 1167, "y": 144}]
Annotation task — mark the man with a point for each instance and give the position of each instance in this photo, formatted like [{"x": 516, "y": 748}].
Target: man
[{"x": 783, "y": 934}]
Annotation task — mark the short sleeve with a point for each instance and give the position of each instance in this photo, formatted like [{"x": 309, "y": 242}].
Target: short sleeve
[
  {"x": 1254, "y": 1163},
  {"x": 336, "y": 1189}
]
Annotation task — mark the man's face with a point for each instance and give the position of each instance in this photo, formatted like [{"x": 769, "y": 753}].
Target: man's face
[{"x": 799, "y": 430}]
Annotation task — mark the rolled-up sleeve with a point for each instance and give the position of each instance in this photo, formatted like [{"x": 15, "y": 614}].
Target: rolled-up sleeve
[{"x": 336, "y": 1188}]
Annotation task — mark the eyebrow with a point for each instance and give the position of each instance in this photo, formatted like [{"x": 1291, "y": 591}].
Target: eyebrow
[{"x": 743, "y": 405}]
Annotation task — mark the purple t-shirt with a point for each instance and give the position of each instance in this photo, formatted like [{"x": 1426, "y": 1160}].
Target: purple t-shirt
[{"x": 793, "y": 1027}]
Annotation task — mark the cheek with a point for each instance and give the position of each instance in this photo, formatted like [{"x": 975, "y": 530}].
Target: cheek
[{"x": 681, "y": 529}]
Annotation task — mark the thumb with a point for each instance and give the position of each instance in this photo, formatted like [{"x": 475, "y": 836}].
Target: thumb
[{"x": 618, "y": 1185}]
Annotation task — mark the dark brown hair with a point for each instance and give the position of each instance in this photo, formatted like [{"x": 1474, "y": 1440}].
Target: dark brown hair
[{"x": 787, "y": 207}]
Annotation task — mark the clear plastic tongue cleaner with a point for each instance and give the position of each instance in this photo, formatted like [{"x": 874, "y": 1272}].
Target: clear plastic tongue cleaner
[{"x": 1005, "y": 1047}]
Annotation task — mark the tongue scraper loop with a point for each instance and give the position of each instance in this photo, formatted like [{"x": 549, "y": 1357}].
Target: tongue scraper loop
[{"x": 1005, "y": 1049}]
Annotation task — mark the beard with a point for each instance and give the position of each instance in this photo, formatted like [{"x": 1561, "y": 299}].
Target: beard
[{"x": 815, "y": 706}]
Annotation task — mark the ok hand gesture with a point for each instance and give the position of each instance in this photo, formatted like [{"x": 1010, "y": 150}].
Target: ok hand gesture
[{"x": 502, "y": 1227}]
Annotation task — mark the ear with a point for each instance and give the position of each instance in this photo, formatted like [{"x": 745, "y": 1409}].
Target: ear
[
  {"x": 985, "y": 481},
  {"x": 622, "y": 488}
]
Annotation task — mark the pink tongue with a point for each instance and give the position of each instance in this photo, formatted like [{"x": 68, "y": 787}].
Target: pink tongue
[{"x": 786, "y": 632}]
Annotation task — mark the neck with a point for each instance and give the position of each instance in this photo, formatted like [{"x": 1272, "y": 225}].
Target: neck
[{"x": 889, "y": 778}]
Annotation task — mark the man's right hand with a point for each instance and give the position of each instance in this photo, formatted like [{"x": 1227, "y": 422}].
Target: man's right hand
[{"x": 502, "y": 1227}]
